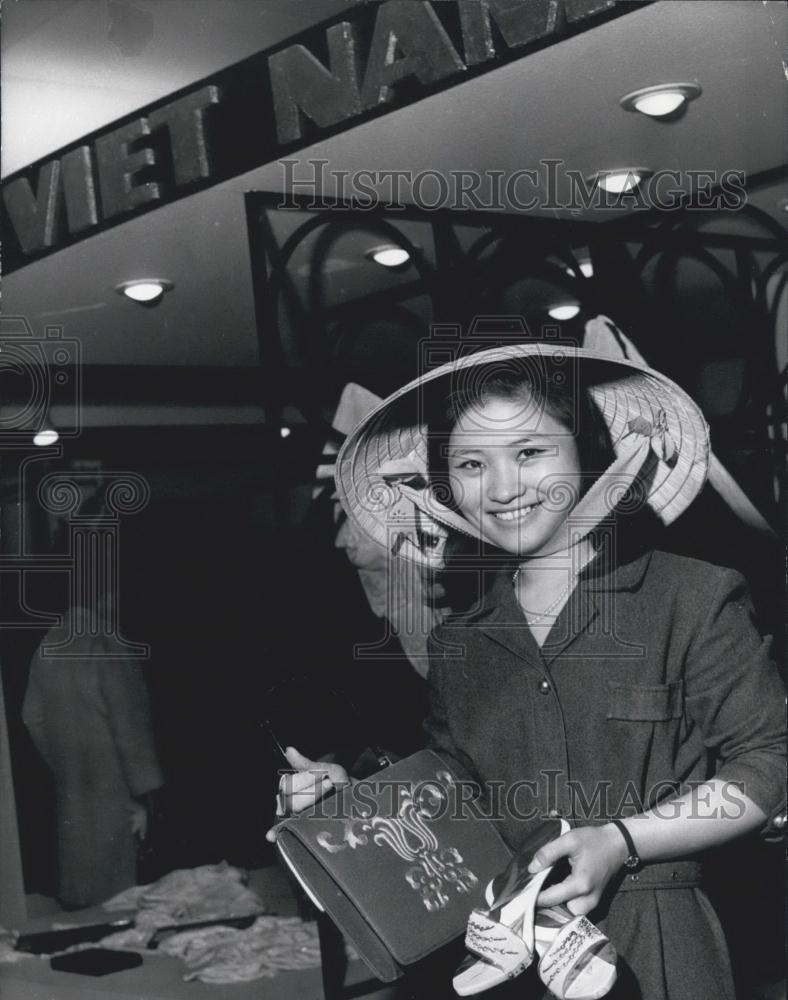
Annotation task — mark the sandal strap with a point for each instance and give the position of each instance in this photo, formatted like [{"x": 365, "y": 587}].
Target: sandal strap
[
  {"x": 572, "y": 943},
  {"x": 497, "y": 944}
]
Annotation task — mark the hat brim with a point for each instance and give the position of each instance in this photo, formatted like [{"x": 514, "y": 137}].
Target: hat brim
[{"x": 388, "y": 448}]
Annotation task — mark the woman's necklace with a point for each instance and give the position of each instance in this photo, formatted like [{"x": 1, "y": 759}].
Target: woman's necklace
[{"x": 532, "y": 617}]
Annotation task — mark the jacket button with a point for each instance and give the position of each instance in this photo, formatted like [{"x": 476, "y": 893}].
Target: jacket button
[
  {"x": 674, "y": 875},
  {"x": 635, "y": 878},
  {"x": 544, "y": 687},
  {"x": 779, "y": 821}
]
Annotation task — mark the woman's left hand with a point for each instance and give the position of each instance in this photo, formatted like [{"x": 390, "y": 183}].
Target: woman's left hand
[{"x": 595, "y": 853}]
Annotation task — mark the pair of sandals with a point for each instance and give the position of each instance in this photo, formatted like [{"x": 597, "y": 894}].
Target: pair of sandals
[{"x": 576, "y": 960}]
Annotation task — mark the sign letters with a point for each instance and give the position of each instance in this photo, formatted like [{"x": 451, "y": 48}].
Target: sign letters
[{"x": 376, "y": 58}]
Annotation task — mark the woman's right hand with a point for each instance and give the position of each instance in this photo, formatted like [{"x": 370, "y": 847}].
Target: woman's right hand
[{"x": 311, "y": 781}]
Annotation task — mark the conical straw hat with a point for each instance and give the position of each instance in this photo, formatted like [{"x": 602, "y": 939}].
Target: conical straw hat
[{"x": 659, "y": 435}]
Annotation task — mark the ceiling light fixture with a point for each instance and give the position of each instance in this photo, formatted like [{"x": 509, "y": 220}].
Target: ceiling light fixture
[
  {"x": 45, "y": 438},
  {"x": 585, "y": 267},
  {"x": 564, "y": 312},
  {"x": 389, "y": 256},
  {"x": 284, "y": 432},
  {"x": 621, "y": 181},
  {"x": 145, "y": 290},
  {"x": 661, "y": 101}
]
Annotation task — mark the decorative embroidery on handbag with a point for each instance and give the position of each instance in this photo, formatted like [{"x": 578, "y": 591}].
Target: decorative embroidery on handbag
[{"x": 437, "y": 870}]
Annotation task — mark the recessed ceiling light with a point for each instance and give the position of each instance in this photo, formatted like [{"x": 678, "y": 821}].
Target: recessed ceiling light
[
  {"x": 665, "y": 102},
  {"x": 389, "y": 256},
  {"x": 284, "y": 432},
  {"x": 145, "y": 290},
  {"x": 662, "y": 100},
  {"x": 586, "y": 268},
  {"x": 45, "y": 438},
  {"x": 564, "y": 312},
  {"x": 621, "y": 181}
]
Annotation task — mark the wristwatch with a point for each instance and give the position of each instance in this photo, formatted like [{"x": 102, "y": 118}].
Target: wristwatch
[{"x": 633, "y": 858}]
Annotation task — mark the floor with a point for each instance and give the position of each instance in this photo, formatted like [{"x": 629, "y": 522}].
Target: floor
[{"x": 159, "y": 978}]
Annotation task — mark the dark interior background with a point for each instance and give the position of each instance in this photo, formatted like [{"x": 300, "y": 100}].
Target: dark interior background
[{"x": 229, "y": 572}]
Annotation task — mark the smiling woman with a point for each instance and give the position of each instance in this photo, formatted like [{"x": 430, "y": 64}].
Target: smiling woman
[
  {"x": 616, "y": 685},
  {"x": 508, "y": 449},
  {"x": 516, "y": 464},
  {"x": 500, "y": 471}
]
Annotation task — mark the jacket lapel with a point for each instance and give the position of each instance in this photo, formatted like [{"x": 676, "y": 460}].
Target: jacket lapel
[
  {"x": 575, "y": 617},
  {"x": 502, "y": 620},
  {"x": 602, "y": 577}
]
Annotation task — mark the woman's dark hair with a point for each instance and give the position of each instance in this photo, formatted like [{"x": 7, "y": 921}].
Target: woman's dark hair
[{"x": 541, "y": 385}]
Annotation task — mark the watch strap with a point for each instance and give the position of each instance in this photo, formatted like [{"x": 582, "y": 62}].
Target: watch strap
[{"x": 633, "y": 858}]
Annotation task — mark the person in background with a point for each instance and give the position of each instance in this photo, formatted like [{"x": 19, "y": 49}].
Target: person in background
[{"x": 89, "y": 717}]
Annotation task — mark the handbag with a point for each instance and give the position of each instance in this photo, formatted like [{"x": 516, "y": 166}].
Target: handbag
[{"x": 397, "y": 861}]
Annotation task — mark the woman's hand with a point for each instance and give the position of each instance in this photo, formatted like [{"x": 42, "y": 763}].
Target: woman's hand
[
  {"x": 311, "y": 781},
  {"x": 595, "y": 853}
]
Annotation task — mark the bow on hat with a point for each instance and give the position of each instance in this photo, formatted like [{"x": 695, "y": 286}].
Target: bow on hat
[{"x": 603, "y": 336}]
